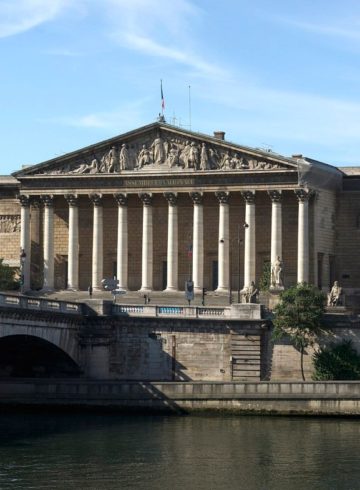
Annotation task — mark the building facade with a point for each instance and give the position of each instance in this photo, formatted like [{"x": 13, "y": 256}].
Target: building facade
[{"x": 160, "y": 205}]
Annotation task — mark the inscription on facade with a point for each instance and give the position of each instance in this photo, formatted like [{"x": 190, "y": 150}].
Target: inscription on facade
[{"x": 157, "y": 182}]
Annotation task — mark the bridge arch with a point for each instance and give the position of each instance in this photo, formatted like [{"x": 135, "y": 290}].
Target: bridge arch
[{"x": 32, "y": 356}]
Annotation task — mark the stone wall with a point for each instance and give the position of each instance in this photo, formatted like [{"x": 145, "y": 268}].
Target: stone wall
[
  {"x": 324, "y": 233},
  {"x": 347, "y": 240},
  {"x": 284, "y": 359},
  {"x": 10, "y": 231},
  {"x": 339, "y": 398}
]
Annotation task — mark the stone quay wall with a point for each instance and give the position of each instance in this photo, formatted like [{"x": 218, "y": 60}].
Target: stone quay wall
[{"x": 322, "y": 398}]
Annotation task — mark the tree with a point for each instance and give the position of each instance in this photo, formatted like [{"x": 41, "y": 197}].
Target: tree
[
  {"x": 337, "y": 362},
  {"x": 298, "y": 316},
  {"x": 265, "y": 279},
  {"x": 7, "y": 277}
]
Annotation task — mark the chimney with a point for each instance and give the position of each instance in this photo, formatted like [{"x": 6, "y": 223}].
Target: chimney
[
  {"x": 298, "y": 155},
  {"x": 220, "y": 135}
]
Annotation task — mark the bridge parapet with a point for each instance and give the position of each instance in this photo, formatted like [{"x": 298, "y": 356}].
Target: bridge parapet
[
  {"x": 40, "y": 304},
  {"x": 242, "y": 311}
]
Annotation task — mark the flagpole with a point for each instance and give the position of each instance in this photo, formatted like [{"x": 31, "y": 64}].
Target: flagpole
[
  {"x": 162, "y": 98},
  {"x": 190, "y": 107}
]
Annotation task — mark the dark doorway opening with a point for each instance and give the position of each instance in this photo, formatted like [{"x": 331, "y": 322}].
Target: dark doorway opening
[
  {"x": 215, "y": 275},
  {"x": 164, "y": 274}
]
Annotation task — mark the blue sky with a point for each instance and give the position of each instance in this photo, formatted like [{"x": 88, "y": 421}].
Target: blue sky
[{"x": 277, "y": 74}]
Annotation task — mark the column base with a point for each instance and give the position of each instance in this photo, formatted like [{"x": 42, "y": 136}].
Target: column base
[
  {"x": 222, "y": 291},
  {"x": 71, "y": 288},
  {"x": 198, "y": 290},
  {"x": 171, "y": 290},
  {"x": 47, "y": 290},
  {"x": 145, "y": 290}
]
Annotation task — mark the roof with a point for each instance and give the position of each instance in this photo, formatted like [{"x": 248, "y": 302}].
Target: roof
[{"x": 350, "y": 171}]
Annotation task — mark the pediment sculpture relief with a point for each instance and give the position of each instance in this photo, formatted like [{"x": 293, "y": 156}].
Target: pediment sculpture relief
[{"x": 163, "y": 153}]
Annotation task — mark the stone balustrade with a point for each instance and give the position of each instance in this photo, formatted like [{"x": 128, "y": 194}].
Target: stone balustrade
[
  {"x": 243, "y": 311},
  {"x": 40, "y": 304},
  {"x": 235, "y": 311}
]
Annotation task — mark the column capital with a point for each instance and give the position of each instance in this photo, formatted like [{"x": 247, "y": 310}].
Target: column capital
[
  {"x": 223, "y": 197},
  {"x": 47, "y": 200},
  {"x": 96, "y": 199},
  {"x": 249, "y": 197},
  {"x": 24, "y": 200},
  {"x": 72, "y": 199},
  {"x": 303, "y": 195},
  {"x": 146, "y": 198},
  {"x": 197, "y": 197},
  {"x": 121, "y": 199},
  {"x": 275, "y": 196},
  {"x": 35, "y": 202},
  {"x": 171, "y": 198}
]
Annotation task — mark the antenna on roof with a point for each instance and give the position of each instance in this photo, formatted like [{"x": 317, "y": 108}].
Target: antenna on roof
[{"x": 190, "y": 107}]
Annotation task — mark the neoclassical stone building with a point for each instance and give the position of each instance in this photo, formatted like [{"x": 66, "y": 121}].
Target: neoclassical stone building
[{"x": 159, "y": 204}]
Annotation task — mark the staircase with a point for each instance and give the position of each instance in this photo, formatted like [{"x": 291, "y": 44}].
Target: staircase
[{"x": 246, "y": 357}]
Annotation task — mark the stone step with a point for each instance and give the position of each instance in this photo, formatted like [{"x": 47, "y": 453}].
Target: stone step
[
  {"x": 243, "y": 374},
  {"x": 246, "y": 362},
  {"x": 247, "y": 348}
]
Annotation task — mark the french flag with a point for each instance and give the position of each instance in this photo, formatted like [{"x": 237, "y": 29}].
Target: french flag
[
  {"x": 162, "y": 97},
  {"x": 190, "y": 250}
]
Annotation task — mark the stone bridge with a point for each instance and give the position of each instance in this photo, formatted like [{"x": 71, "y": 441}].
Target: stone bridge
[{"x": 42, "y": 337}]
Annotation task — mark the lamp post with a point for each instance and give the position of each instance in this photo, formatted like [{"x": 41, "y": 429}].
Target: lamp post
[
  {"x": 239, "y": 241},
  {"x": 22, "y": 269}
]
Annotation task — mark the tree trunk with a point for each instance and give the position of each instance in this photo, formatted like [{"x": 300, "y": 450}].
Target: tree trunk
[{"x": 302, "y": 362}]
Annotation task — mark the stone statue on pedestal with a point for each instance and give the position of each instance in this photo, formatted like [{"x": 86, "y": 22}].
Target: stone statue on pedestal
[
  {"x": 277, "y": 269},
  {"x": 334, "y": 295},
  {"x": 250, "y": 293}
]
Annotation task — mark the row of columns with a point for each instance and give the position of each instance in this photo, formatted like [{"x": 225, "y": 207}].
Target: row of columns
[{"x": 172, "y": 242}]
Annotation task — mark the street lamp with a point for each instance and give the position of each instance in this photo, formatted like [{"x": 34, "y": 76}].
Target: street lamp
[
  {"x": 22, "y": 269},
  {"x": 239, "y": 241}
]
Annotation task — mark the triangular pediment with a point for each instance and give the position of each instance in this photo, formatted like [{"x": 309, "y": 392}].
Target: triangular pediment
[{"x": 160, "y": 148}]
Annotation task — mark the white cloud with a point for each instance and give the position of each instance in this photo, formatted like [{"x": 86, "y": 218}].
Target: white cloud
[
  {"x": 17, "y": 16},
  {"x": 162, "y": 29},
  {"x": 129, "y": 115},
  {"x": 151, "y": 47}
]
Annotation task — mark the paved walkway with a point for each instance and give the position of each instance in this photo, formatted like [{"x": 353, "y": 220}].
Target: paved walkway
[{"x": 134, "y": 297}]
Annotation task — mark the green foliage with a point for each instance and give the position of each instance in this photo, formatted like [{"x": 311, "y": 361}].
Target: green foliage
[
  {"x": 337, "y": 362},
  {"x": 7, "y": 277},
  {"x": 265, "y": 279},
  {"x": 298, "y": 317}
]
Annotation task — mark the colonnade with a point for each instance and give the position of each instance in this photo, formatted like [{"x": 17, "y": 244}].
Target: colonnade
[{"x": 172, "y": 241}]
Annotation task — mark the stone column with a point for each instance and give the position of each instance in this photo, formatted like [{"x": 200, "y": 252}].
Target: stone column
[
  {"x": 303, "y": 235},
  {"x": 73, "y": 242},
  {"x": 122, "y": 241},
  {"x": 224, "y": 244},
  {"x": 48, "y": 242},
  {"x": 172, "y": 243},
  {"x": 147, "y": 243},
  {"x": 97, "y": 245},
  {"x": 25, "y": 240},
  {"x": 249, "y": 242},
  {"x": 276, "y": 281},
  {"x": 198, "y": 241}
]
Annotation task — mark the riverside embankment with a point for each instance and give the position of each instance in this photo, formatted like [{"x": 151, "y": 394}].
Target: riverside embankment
[{"x": 308, "y": 398}]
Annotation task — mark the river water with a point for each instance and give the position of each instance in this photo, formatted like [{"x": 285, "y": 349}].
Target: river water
[{"x": 76, "y": 451}]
